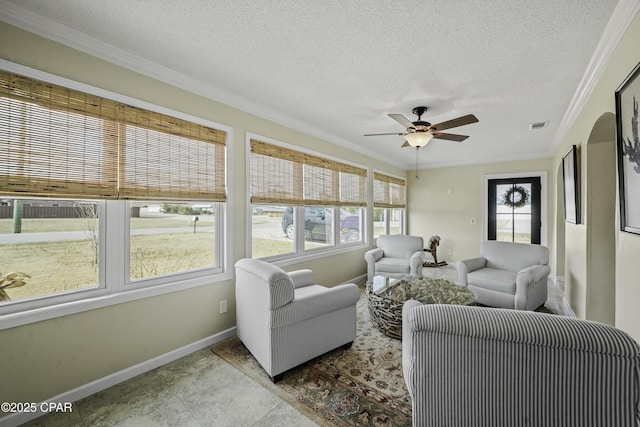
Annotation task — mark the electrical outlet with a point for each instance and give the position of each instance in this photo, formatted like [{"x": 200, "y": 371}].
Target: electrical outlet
[
  {"x": 449, "y": 252},
  {"x": 223, "y": 306}
]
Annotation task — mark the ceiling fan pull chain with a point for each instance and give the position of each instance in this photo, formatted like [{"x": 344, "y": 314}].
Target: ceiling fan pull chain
[{"x": 417, "y": 153}]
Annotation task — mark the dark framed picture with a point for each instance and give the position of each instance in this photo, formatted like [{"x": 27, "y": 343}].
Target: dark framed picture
[
  {"x": 627, "y": 98},
  {"x": 570, "y": 186}
]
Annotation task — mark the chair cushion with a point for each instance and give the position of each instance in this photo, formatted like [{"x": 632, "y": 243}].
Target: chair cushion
[
  {"x": 399, "y": 245},
  {"x": 496, "y": 280},
  {"x": 393, "y": 265},
  {"x": 310, "y": 290},
  {"x": 513, "y": 256}
]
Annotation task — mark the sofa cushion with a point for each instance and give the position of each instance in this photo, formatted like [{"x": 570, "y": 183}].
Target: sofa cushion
[
  {"x": 393, "y": 265},
  {"x": 496, "y": 280}
]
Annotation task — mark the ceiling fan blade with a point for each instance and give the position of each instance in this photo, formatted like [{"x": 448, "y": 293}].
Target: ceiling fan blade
[
  {"x": 406, "y": 144},
  {"x": 380, "y": 134},
  {"x": 449, "y": 136},
  {"x": 460, "y": 121},
  {"x": 402, "y": 120}
]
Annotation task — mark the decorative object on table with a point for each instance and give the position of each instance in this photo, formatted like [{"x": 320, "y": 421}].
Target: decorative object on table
[
  {"x": 507, "y": 275},
  {"x": 570, "y": 178},
  {"x": 12, "y": 280},
  {"x": 396, "y": 255},
  {"x": 434, "y": 242},
  {"x": 515, "y": 197},
  {"x": 627, "y": 98},
  {"x": 386, "y": 296}
]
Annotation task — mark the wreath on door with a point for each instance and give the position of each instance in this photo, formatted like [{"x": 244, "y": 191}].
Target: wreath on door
[{"x": 515, "y": 197}]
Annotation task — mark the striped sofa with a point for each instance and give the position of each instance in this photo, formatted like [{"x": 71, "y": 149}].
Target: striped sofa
[
  {"x": 284, "y": 319},
  {"x": 478, "y": 366}
]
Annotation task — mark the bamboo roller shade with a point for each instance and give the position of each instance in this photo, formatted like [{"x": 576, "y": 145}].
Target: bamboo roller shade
[
  {"x": 59, "y": 142},
  {"x": 388, "y": 192},
  {"x": 283, "y": 176}
]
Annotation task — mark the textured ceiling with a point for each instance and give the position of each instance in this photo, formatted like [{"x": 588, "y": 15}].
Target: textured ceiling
[{"x": 334, "y": 69}]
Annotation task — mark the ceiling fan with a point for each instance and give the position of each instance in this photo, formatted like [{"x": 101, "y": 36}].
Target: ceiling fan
[{"x": 419, "y": 133}]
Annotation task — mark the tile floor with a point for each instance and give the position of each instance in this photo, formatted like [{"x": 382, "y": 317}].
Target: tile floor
[{"x": 203, "y": 390}]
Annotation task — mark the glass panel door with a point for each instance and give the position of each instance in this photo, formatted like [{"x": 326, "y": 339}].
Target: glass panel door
[{"x": 514, "y": 210}]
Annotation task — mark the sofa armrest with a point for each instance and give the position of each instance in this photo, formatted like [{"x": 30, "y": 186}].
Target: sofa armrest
[
  {"x": 468, "y": 265},
  {"x": 301, "y": 278},
  {"x": 408, "y": 356},
  {"x": 373, "y": 255},
  {"x": 525, "y": 279},
  {"x": 314, "y": 305},
  {"x": 532, "y": 274}
]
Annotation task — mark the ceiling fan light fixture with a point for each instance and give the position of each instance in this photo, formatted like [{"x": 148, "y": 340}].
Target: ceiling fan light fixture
[{"x": 418, "y": 139}]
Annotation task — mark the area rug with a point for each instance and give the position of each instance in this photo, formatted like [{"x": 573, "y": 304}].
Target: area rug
[{"x": 356, "y": 387}]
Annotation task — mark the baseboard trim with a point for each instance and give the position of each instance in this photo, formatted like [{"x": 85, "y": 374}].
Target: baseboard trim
[
  {"x": 103, "y": 383},
  {"x": 357, "y": 279}
]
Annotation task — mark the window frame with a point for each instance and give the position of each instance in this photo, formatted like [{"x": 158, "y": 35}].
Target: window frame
[
  {"x": 300, "y": 254},
  {"x": 114, "y": 225},
  {"x": 129, "y": 283}
]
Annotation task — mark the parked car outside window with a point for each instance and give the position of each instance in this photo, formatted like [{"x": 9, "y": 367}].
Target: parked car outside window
[{"x": 317, "y": 222}]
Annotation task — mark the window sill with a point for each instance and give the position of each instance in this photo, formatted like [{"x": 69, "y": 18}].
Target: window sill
[{"x": 99, "y": 299}]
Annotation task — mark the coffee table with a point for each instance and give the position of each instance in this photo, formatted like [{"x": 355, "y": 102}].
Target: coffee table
[{"x": 386, "y": 296}]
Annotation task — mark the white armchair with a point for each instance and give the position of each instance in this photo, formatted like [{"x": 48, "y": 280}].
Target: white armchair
[
  {"x": 284, "y": 319},
  {"x": 507, "y": 275},
  {"x": 396, "y": 255}
]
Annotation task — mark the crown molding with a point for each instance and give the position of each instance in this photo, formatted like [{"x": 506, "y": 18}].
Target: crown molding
[
  {"x": 622, "y": 17},
  {"x": 22, "y": 18}
]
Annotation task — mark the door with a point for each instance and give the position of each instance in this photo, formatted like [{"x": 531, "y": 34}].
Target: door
[{"x": 514, "y": 210}]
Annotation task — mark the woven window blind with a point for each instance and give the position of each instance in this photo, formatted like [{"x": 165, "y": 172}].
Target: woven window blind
[
  {"x": 59, "y": 142},
  {"x": 388, "y": 192},
  {"x": 283, "y": 176}
]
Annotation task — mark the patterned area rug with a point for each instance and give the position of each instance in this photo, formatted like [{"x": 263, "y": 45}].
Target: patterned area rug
[{"x": 355, "y": 387}]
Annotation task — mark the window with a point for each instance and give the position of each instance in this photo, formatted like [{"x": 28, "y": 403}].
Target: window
[
  {"x": 351, "y": 224},
  {"x": 389, "y": 204},
  {"x": 272, "y": 231},
  {"x": 79, "y": 171},
  {"x": 54, "y": 242},
  {"x": 303, "y": 203},
  {"x": 171, "y": 237}
]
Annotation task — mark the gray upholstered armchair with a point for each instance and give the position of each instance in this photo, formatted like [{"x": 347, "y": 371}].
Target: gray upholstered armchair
[
  {"x": 486, "y": 366},
  {"x": 284, "y": 319},
  {"x": 396, "y": 255},
  {"x": 507, "y": 275}
]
